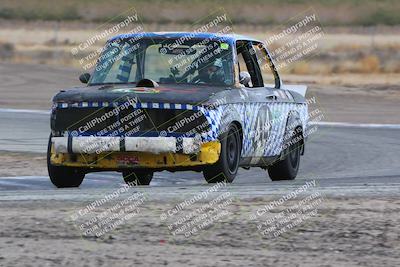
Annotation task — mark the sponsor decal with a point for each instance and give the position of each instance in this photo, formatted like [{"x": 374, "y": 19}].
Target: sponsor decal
[
  {"x": 177, "y": 90},
  {"x": 145, "y": 90},
  {"x": 127, "y": 159},
  {"x": 224, "y": 46},
  {"x": 138, "y": 90}
]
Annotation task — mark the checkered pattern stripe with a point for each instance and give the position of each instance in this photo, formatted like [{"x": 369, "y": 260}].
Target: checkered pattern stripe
[
  {"x": 250, "y": 116},
  {"x": 280, "y": 113},
  {"x": 149, "y": 105},
  {"x": 303, "y": 111},
  {"x": 214, "y": 118}
]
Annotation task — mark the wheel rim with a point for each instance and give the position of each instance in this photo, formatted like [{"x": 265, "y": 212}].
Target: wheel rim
[{"x": 231, "y": 151}]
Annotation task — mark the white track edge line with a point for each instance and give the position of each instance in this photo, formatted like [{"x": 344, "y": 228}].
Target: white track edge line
[{"x": 13, "y": 110}]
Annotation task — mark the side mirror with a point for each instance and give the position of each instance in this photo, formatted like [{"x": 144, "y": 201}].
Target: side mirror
[
  {"x": 84, "y": 78},
  {"x": 244, "y": 78}
]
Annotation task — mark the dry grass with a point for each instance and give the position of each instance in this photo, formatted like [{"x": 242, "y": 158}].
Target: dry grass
[
  {"x": 23, "y": 164},
  {"x": 331, "y": 12},
  {"x": 370, "y": 64},
  {"x": 47, "y": 43}
]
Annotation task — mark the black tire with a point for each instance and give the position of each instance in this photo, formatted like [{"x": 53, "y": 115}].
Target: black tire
[
  {"x": 225, "y": 169},
  {"x": 287, "y": 168},
  {"x": 137, "y": 177},
  {"x": 63, "y": 177}
]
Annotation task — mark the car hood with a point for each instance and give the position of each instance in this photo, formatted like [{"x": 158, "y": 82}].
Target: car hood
[{"x": 179, "y": 94}]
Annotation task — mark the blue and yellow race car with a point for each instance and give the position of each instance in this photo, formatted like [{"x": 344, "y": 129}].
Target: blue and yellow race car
[{"x": 178, "y": 101}]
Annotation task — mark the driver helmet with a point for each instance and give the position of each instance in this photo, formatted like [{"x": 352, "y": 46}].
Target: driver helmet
[
  {"x": 214, "y": 67},
  {"x": 218, "y": 63},
  {"x": 215, "y": 71}
]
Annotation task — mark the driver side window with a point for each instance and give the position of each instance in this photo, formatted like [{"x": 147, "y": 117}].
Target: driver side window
[
  {"x": 264, "y": 64},
  {"x": 243, "y": 67},
  {"x": 247, "y": 62}
]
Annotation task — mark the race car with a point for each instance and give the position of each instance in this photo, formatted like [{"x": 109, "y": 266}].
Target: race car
[{"x": 176, "y": 101}]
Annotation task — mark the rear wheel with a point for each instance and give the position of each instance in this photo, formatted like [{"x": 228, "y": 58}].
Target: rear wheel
[
  {"x": 225, "y": 169},
  {"x": 137, "y": 177},
  {"x": 287, "y": 168},
  {"x": 62, "y": 176}
]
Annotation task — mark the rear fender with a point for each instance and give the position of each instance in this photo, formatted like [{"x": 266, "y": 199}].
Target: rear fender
[{"x": 294, "y": 126}]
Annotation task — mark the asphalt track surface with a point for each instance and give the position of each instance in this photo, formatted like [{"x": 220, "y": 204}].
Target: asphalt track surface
[
  {"x": 342, "y": 158},
  {"x": 356, "y": 173}
]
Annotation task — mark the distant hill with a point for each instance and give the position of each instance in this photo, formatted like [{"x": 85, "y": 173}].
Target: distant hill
[{"x": 267, "y": 12}]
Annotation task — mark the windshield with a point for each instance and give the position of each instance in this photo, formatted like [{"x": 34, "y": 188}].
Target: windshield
[{"x": 166, "y": 61}]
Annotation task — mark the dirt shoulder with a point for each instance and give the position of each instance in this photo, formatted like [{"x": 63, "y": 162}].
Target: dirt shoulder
[
  {"x": 345, "y": 232},
  {"x": 355, "y": 105},
  {"x": 22, "y": 164},
  {"x": 30, "y": 86}
]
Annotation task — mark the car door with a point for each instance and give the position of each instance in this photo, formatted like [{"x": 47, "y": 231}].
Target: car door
[
  {"x": 282, "y": 101},
  {"x": 257, "y": 97}
]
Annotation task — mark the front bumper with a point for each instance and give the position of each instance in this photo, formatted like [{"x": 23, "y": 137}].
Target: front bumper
[
  {"x": 208, "y": 153},
  {"x": 91, "y": 144}
]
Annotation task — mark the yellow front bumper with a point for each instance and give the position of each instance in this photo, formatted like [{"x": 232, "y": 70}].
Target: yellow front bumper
[{"x": 209, "y": 154}]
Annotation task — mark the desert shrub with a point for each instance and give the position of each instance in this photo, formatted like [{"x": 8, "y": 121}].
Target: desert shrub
[
  {"x": 369, "y": 64},
  {"x": 67, "y": 13},
  {"x": 6, "y": 50},
  {"x": 301, "y": 68},
  {"x": 380, "y": 16}
]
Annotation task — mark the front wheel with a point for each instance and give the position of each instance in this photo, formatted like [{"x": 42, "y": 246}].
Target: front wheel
[
  {"x": 62, "y": 176},
  {"x": 137, "y": 177},
  {"x": 225, "y": 169}
]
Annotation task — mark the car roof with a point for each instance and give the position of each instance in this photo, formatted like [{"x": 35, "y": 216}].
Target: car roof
[{"x": 229, "y": 38}]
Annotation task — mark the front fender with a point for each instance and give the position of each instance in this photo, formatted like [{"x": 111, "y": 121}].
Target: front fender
[{"x": 219, "y": 119}]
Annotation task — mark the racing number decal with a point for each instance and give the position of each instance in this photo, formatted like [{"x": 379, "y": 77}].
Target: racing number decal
[{"x": 261, "y": 127}]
